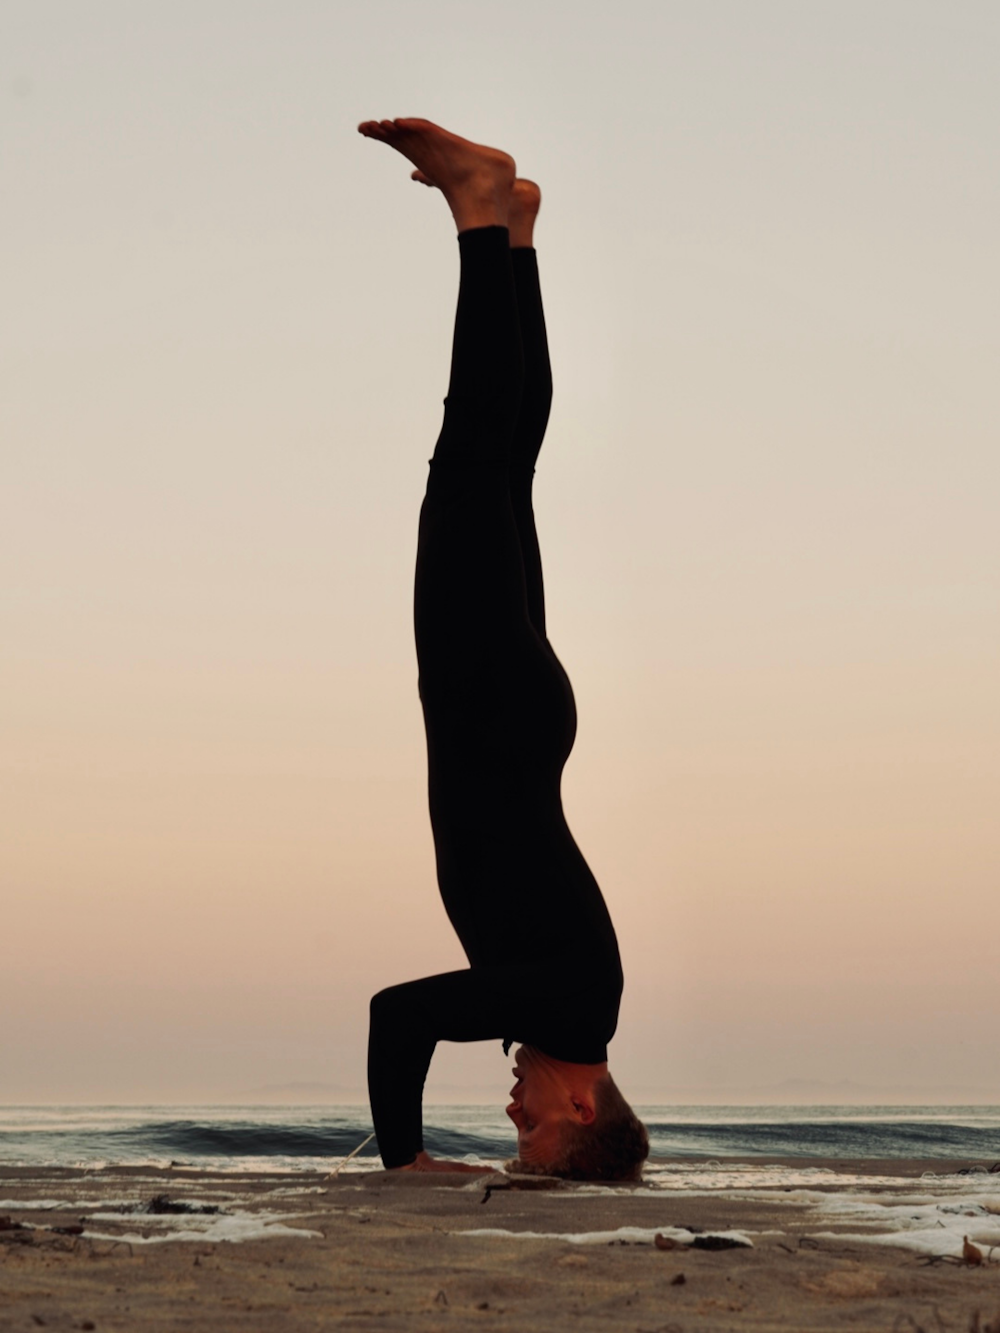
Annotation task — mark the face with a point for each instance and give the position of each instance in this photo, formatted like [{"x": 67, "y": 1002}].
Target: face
[{"x": 540, "y": 1105}]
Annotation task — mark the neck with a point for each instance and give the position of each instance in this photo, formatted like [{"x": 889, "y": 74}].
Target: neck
[{"x": 572, "y": 1075}]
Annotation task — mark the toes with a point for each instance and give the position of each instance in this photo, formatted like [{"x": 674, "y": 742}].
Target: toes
[
  {"x": 379, "y": 129},
  {"x": 422, "y": 178}
]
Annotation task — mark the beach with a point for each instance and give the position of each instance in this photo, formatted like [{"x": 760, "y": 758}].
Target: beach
[{"x": 804, "y": 1244}]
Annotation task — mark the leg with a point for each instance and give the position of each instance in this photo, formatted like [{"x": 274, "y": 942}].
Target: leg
[
  {"x": 470, "y": 600},
  {"x": 536, "y": 397},
  {"x": 470, "y": 594}
]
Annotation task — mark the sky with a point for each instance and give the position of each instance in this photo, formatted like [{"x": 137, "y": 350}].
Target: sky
[{"x": 767, "y": 505}]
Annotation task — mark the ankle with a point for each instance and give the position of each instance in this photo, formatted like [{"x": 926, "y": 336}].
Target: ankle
[{"x": 472, "y": 213}]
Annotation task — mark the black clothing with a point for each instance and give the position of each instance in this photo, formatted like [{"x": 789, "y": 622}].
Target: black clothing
[{"x": 500, "y": 720}]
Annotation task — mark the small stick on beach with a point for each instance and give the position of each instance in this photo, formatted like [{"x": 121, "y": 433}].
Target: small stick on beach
[{"x": 337, "y": 1169}]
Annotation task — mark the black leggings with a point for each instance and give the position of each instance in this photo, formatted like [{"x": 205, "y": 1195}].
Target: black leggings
[
  {"x": 478, "y": 505},
  {"x": 500, "y": 723}
]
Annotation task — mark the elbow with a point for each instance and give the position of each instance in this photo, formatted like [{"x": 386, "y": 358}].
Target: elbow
[{"x": 388, "y": 1006}]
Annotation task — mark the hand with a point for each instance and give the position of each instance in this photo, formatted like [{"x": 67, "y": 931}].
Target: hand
[{"x": 425, "y": 1162}]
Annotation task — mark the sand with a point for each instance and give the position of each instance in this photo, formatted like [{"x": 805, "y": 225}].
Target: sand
[{"x": 370, "y": 1251}]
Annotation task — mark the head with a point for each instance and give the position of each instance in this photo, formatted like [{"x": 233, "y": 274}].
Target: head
[{"x": 573, "y": 1122}]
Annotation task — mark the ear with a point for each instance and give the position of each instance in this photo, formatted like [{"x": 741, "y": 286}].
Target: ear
[{"x": 583, "y": 1109}]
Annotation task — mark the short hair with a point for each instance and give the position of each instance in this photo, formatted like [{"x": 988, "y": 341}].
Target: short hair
[{"x": 612, "y": 1147}]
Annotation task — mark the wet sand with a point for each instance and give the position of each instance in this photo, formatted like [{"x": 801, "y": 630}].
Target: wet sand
[{"x": 368, "y": 1251}]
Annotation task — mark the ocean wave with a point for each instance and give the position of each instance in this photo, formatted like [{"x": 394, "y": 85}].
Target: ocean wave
[
  {"x": 246, "y": 1139},
  {"x": 826, "y": 1138},
  {"x": 291, "y": 1138},
  {"x": 195, "y": 1140}
]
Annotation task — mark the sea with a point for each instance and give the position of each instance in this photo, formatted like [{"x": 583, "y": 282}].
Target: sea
[{"x": 310, "y": 1138}]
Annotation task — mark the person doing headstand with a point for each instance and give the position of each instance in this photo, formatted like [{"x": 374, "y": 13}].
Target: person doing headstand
[{"x": 544, "y": 967}]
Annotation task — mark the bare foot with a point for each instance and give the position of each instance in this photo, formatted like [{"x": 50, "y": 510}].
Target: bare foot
[
  {"x": 475, "y": 180},
  {"x": 525, "y": 201}
]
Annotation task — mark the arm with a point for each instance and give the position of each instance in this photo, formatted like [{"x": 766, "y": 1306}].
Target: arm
[{"x": 408, "y": 1021}]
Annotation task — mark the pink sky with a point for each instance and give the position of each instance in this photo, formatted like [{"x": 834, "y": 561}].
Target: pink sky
[{"x": 767, "y": 506}]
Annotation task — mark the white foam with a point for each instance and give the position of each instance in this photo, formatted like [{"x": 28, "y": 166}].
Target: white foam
[
  {"x": 117, "y": 1198},
  {"x": 631, "y": 1235},
  {"x": 929, "y": 1221},
  {"x": 225, "y": 1227},
  {"x": 37, "y": 1205},
  {"x": 711, "y": 1176}
]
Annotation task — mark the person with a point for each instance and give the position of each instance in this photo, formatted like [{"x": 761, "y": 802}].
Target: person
[{"x": 544, "y": 967}]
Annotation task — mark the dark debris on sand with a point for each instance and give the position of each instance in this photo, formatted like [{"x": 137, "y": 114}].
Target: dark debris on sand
[{"x": 161, "y": 1204}]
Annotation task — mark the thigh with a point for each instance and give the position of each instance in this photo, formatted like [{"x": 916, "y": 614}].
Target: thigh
[{"x": 470, "y": 603}]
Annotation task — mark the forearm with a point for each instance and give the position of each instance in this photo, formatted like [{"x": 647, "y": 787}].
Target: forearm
[
  {"x": 407, "y": 1022},
  {"x": 399, "y": 1055}
]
